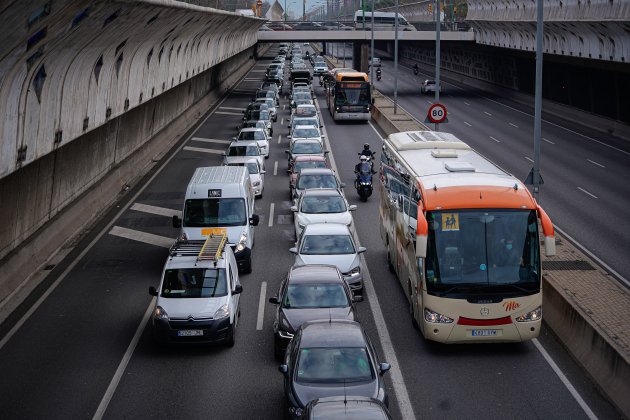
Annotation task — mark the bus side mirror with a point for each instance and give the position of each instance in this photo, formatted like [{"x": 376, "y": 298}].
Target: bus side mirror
[
  {"x": 421, "y": 246},
  {"x": 422, "y": 233},
  {"x": 548, "y": 231}
]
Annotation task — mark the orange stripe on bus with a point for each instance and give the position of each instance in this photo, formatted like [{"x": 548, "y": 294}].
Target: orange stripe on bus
[{"x": 477, "y": 197}]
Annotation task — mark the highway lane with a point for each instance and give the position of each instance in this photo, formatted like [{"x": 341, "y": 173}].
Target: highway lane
[
  {"x": 87, "y": 323},
  {"x": 585, "y": 171}
]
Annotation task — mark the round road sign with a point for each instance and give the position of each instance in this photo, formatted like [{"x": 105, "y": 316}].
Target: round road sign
[{"x": 437, "y": 113}]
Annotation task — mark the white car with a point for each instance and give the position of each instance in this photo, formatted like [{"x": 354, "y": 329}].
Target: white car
[
  {"x": 333, "y": 244},
  {"x": 198, "y": 298},
  {"x": 305, "y": 111},
  {"x": 428, "y": 86},
  {"x": 306, "y": 132},
  {"x": 271, "y": 106},
  {"x": 255, "y": 134},
  {"x": 321, "y": 206},
  {"x": 238, "y": 149},
  {"x": 256, "y": 173},
  {"x": 302, "y": 121}
]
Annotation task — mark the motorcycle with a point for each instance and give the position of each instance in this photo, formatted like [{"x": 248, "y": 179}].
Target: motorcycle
[
  {"x": 378, "y": 74},
  {"x": 363, "y": 181}
]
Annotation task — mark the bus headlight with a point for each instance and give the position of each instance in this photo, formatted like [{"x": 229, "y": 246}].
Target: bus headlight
[
  {"x": 436, "y": 318},
  {"x": 535, "y": 315}
]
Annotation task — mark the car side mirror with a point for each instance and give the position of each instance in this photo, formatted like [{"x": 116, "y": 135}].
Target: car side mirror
[
  {"x": 342, "y": 184},
  {"x": 153, "y": 291},
  {"x": 263, "y": 172},
  {"x": 254, "y": 220},
  {"x": 383, "y": 367},
  {"x": 294, "y": 208},
  {"x": 289, "y": 137},
  {"x": 233, "y": 138},
  {"x": 274, "y": 300},
  {"x": 177, "y": 222},
  {"x": 286, "y": 151},
  {"x": 326, "y": 152},
  {"x": 293, "y": 250},
  {"x": 361, "y": 250},
  {"x": 284, "y": 369},
  {"x": 352, "y": 207},
  {"x": 238, "y": 289}
]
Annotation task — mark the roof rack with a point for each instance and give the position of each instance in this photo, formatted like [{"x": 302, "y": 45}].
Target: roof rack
[{"x": 209, "y": 250}]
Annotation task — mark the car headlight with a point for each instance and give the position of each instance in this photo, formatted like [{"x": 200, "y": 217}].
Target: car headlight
[
  {"x": 436, "y": 318},
  {"x": 256, "y": 183},
  {"x": 160, "y": 313},
  {"x": 183, "y": 237},
  {"x": 535, "y": 315},
  {"x": 355, "y": 270},
  {"x": 242, "y": 241},
  {"x": 222, "y": 312}
]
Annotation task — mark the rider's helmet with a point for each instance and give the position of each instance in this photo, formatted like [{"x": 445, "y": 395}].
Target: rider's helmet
[
  {"x": 366, "y": 146},
  {"x": 363, "y": 158}
]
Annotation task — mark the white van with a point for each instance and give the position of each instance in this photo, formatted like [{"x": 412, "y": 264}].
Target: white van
[
  {"x": 198, "y": 297},
  {"x": 220, "y": 199}
]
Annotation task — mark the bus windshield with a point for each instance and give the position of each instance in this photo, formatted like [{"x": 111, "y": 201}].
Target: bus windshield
[
  {"x": 482, "y": 251},
  {"x": 353, "y": 95}
]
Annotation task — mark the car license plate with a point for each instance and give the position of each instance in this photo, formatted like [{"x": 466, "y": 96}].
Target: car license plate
[
  {"x": 213, "y": 231},
  {"x": 189, "y": 333},
  {"x": 485, "y": 333}
]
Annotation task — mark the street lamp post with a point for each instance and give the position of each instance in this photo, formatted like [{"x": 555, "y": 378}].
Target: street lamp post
[{"x": 396, "y": 60}]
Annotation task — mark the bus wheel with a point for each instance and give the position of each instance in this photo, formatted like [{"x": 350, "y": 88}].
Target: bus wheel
[
  {"x": 389, "y": 258},
  {"x": 414, "y": 323}
]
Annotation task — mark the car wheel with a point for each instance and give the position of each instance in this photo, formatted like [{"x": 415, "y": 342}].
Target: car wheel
[
  {"x": 248, "y": 265},
  {"x": 229, "y": 341},
  {"x": 277, "y": 350}
]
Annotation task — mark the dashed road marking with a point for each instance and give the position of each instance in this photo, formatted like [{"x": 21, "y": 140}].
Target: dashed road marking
[
  {"x": 548, "y": 141},
  {"x": 144, "y": 237},
  {"x": 160, "y": 211},
  {"x": 201, "y": 139},
  {"x": 199, "y": 149},
  {"x": 487, "y": 113},
  {"x": 282, "y": 121},
  {"x": 261, "y": 306},
  {"x": 231, "y": 107},
  {"x": 595, "y": 163},
  {"x": 586, "y": 192},
  {"x": 271, "y": 208},
  {"x": 513, "y": 125},
  {"x": 240, "y": 114},
  {"x": 498, "y": 141},
  {"x": 468, "y": 124},
  {"x": 466, "y": 103},
  {"x": 530, "y": 159},
  {"x": 279, "y": 138},
  {"x": 275, "y": 168}
]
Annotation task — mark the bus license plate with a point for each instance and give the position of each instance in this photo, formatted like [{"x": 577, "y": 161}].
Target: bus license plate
[
  {"x": 189, "y": 333},
  {"x": 485, "y": 333}
]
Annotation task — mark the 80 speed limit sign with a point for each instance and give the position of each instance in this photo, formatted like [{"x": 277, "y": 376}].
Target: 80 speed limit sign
[{"x": 437, "y": 113}]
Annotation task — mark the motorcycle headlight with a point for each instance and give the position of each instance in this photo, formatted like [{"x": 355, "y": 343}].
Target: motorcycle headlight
[
  {"x": 436, "y": 318},
  {"x": 222, "y": 312},
  {"x": 160, "y": 313},
  {"x": 535, "y": 315}
]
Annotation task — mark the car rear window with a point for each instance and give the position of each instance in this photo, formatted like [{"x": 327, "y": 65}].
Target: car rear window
[
  {"x": 327, "y": 245},
  {"x": 315, "y": 296},
  {"x": 334, "y": 365},
  {"x": 323, "y": 204}
]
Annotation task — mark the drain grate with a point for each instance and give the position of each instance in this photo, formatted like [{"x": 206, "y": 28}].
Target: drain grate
[{"x": 577, "y": 265}]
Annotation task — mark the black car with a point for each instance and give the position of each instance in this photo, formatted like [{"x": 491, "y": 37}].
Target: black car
[
  {"x": 350, "y": 407},
  {"x": 309, "y": 292},
  {"x": 331, "y": 358}
]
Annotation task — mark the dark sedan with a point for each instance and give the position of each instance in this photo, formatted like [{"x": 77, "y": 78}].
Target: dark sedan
[
  {"x": 330, "y": 358},
  {"x": 309, "y": 292},
  {"x": 339, "y": 408}
]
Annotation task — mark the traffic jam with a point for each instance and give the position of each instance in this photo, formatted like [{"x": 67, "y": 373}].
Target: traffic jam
[{"x": 326, "y": 357}]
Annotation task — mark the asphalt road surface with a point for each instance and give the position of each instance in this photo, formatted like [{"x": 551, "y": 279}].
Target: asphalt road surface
[{"x": 86, "y": 349}]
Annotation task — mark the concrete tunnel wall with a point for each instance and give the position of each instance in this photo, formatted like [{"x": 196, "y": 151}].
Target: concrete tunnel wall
[{"x": 116, "y": 73}]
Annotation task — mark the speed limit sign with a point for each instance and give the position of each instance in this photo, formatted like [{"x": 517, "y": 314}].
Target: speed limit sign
[{"x": 437, "y": 113}]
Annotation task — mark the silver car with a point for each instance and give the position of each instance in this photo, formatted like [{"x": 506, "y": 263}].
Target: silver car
[
  {"x": 244, "y": 148},
  {"x": 258, "y": 135},
  {"x": 321, "y": 206},
  {"x": 306, "y": 132},
  {"x": 332, "y": 243}
]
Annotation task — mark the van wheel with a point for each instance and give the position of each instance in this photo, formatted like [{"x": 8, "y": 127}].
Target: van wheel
[
  {"x": 248, "y": 266},
  {"x": 229, "y": 341}
]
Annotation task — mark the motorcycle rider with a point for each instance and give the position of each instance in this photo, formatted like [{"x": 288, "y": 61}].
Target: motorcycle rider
[
  {"x": 415, "y": 68},
  {"x": 366, "y": 151},
  {"x": 378, "y": 73}
]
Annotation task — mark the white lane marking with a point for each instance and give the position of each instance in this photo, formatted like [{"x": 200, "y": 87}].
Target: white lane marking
[
  {"x": 203, "y": 140},
  {"x": 498, "y": 141},
  {"x": 144, "y": 237},
  {"x": 466, "y": 103},
  {"x": 487, "y": 113},
  {"x": 593, "y": 256},
  {"x": 279, "y": 138},
  {"x": 251, "y": 80},
  {"x": 240, "y": 114},
  {"x": 587, "y": 410},
  {"x": 199, "y": 149},
  {"x": 275, "y": 168},
  {"x": 109, "y": 393},
  {"x": 595, "y": 163},
  {"x": 559, "y": 126},
  {"x": 284, "y": 107},
  {"x": 530, "y": 159},
  {"x": 258, "y": 71},
  {"x": 468, "y": 124},
  {"x": 271, "y": 208},
  {"x": 231, "y": 107},
  {"x": 160, "y": 211},
  {"x": 261, "y": 306},
  {"x": 429, "y": 102},
  {"x": 398, "y": 382},
  {"x": 548, "y": 141},
  {"x": 513, "y": 125},
  {"x": 282, "y": 121},
  {"x": 586, "y": 192}
]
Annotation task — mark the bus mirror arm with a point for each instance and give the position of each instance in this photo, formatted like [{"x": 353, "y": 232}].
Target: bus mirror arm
[{"x": 548, "y": 231}]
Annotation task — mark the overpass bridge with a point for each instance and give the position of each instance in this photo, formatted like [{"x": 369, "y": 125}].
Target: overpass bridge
[{"x": 362, "y": 36}]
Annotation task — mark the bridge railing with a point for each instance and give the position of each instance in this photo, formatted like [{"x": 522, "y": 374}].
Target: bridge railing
[{"x": 346, "y": 25}]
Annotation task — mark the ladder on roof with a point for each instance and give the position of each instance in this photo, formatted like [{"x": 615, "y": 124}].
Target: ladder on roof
[{"x": 209, "y": 250}]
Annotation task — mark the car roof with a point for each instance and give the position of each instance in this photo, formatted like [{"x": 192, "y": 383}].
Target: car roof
[
  {"x": 241, "y": 143},
  {"x": 243, "y": 159},
  {"x": 301, "y": 141},
  {"x": 315, "y": 273},
  {"x": 307, "y": 105},
  {"x": 317, "y": 171},
  {"x": 326, "y": 229},
  {"x": 350, "y": 406},
  {"x": 306, "y": 126},
  {"x": 310, "y": 158},
  {"x": 253, "y": 129},
  {"x": 332, "y": 333},
  {"x": 321, "y": 192}
]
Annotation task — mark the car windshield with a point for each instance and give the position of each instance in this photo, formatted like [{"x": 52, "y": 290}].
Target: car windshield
[
  {"x": 194, "y": 283},
  {"x": 252, "y": 167},
  {"x": 308, "y": 164},
  {"x": 306, "y": 111},
  {"x": 334, "y": 365},
  {"x": 309, "y": 181},
  {"x": 214, "y": 212},
  {"x": 257, "y": 106},
  {"x": 307, "y": 148},
  {"x": 306, "y": 132},
  {"x": 259, "y": 115},
  {"x": 323, "y": 204},
  {"x": 327, "y": 245},
  {"x": 243, "y": 151},
  {"x": 251, "y": 135},
  {"x": 484, "y": 251},
  {"x": 305, "y": 121},
  {"x": 301, "y": 296},
  {"x": 302, "y": 95}
]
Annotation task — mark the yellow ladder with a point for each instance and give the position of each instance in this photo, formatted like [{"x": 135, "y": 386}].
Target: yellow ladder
[{"x": 212, "y": 247}]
